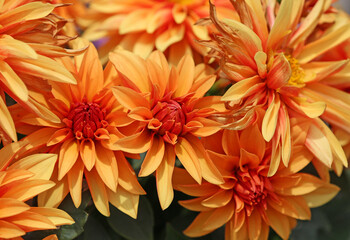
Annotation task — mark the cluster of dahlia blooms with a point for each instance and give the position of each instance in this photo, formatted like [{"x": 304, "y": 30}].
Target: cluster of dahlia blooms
[{"x": 243, "y": 106}]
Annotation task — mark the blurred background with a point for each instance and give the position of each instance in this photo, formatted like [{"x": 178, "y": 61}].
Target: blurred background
[{"x": 345, "y": 4}]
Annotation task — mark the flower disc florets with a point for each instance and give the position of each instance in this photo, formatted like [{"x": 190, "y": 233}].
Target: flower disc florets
[{"x": 85, "y": 119}]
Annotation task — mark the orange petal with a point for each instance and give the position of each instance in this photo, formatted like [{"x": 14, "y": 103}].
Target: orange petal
[
  {"x": 60, "y": 136},
  {"x": 106, "y": 166},
  {"x": 56, "y": 216},
  {"x": 188, "y": 157},
  {"x": 69, "y": 153},
  {"x": 129, "y": 98},
  {"x": 31, "y": 221},
  {"x": 185, "y": 69},
  {"x": 197, "y": 227},
  {"x": 41, "y": 165},
  {"x": 11, "y": 80},
  {"x": 28, "y": 189},
  {"x": 6, "y": 122},
  {"x": 153, "y": 157},
  {"x": 164, "y": 176},
  {"x": 125, "y": 201},
  {"x": 75, "y": 182},
  {"x": 137, "y": 143},
  {"x": 279, "y": 73},
  {"x": 98, "y": 191},
  {"x": 269, "y": 122},
  {"x": 9, "y": 230},
  {"x": 241, "y": 89},
  {"x": 10, "y": 207},
  {"x": 249, "y": 136},
  {"x": 279, "y": 223},
  {"x": 44, "y": 67},
  {"x": 318, "y": 144},
  {"x": 170, "y": 36},
  {"x": 132, "y": 67},
  {"x": 220, "y": 216},
  {"x": 209, "y": 170},
  {"x": 219, "y": 199},
  {"x": 127, "y": 177},
  {"x": 88, "y": 153}
]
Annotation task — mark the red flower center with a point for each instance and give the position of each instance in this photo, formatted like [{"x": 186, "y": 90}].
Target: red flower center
[
  {"x": 252, "y": 188},
  {"x": 172, "y": 116},
  {"x": 85, "y": 118}
]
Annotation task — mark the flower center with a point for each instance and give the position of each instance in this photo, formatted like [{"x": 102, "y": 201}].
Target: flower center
[
  {"x": 298, "y": 74},
  {"x": 172, "y": 117},
  {"x": 85, "y": 118},
  {"x": 251, "y": 188}
]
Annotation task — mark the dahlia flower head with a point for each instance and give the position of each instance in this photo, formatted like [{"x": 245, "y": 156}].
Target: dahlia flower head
[
  {"x": 83, "y": 138},
  {"x": 142, "y": 26},
  {"x": 30, "y": 37},
  {"x": 19, "y": 182},
  {"x": 166, "y": 107},
  {"x": 249, "y": 201},
  {"x": 271, "y": 55}
]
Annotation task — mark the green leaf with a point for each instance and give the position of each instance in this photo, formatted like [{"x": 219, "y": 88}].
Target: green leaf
[
  {"x": 69, "y": 232},
  {"x": 131, "y": 229},
  {"x": 172, "y": 234}
]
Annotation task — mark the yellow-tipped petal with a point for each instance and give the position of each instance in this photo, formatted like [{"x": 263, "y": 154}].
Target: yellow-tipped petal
[
  {"x": 41, "y": 165},
  {"x": 270, "y": 119},
  {"x": 154, "y": 157},
  {"x": 6, "y": 122},
  {"x": 188, "y": 157},
  {"x": 125, "y": 201},
  {"x": 69, "y": 153},
  {"x": 164, "y": 175},
  {"x": 56, "y": 216}
]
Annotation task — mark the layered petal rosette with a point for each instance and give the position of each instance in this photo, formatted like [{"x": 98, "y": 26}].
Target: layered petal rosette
[
  {"x": 272, "y": 56},
  {"x": 142, "y": 26},
  {"x": 87, "y": 113},
  {"x": 20, "y": 182},
  {"x": 165, "y": 108},
  {"x": 30, "y": 37},
  {"x": 249, "y": 202}
]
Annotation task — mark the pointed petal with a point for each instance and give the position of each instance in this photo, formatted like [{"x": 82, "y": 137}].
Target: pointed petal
[
  {"x": 164, "y": 177},
  {"x": 318, "y": 144},
  {"x": 28, "y": 189},
  {"x": 41, "y": 165},
  {"x": 129, "y": 98},
  {"x": 69, "y": 153},
  {"x": 240, "y": 89},
  {"x": 154, "y": 156},
  {"x": 106, "y": 166},
  {"x": 137, "y": 143},
  {"x": 10, "y": 207},
  {"x": 56, "y": 216},
  {"x": 75, "y": 182},
  {"x": 11, "y": 80},
  {"x": 269, "y": 122},
  {"x": 6, "y": 122},
  {"x": 98, "y": 191},
  {"x": 88, "y": 153},
  {"x": 125, "y": 201},
  {"x": 188, "y": 157},
  {"x": 185, "y": 69}
]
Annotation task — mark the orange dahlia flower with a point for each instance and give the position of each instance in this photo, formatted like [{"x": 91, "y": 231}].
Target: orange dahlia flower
[
  {"x": 273, "y": 61},
  {"x": 249, "y": 201},
  {"x": 167, "y": 109},
  {"x": 142, "y": 26},
  {"x": 30, "y": 38},
  {"x": 82, "y": 138},
  {"x": 18, "y": 185}
]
